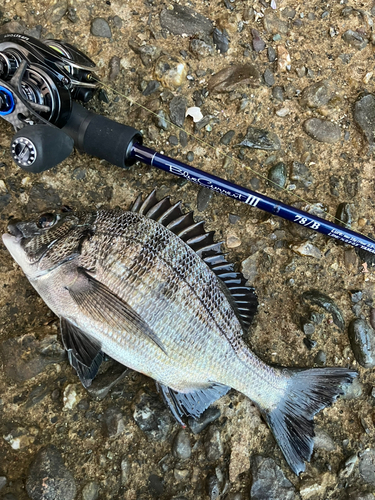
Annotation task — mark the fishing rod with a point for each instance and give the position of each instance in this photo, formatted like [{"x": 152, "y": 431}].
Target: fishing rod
[{"x": 40, "y": 84}]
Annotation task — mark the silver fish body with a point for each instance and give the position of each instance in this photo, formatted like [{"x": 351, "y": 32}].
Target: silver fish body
[{"x": 128, "y": 286}]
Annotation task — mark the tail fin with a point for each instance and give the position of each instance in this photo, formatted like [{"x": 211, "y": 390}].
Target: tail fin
[{"x": 291, "y": 422}]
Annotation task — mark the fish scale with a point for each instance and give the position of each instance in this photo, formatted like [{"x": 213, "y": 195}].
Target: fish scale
[
  {"x": 153, "y": 290},
  {"x": 217, "y": 317}
]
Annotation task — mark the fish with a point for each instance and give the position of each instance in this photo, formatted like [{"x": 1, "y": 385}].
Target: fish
[{"x": 150, "y": 288}]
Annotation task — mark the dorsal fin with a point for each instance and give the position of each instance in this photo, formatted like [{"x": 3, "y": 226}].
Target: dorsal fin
[{"x": 243, "y": 298}]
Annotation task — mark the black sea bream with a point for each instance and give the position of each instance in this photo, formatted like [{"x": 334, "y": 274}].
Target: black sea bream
[{"x": 152, "y": 290}]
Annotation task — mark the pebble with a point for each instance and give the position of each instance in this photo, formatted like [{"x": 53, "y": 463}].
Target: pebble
[
  {"x": 362, "y": 341},
  {"x": 185, "y": 21},
  {"x": 155, "y": 485},
  {"x": 114, "y": 68},
  {"x": 367, "y": 466},
  {"x": 148, "y": 53},
  {"x": 203, "y": 198},
  {"x": 48, "y": 478},
  {"x": 55, "y": 13},
  {"x": 125, "y": 470},
  {"x": 320, "y": 299},
  {"x": 3, "y": 482},
  {"x": 258, "y": 43},
  {"x": 183, "y": 138},
  {"x": 301, "y": 174},
  {"x": 70, "y": 397},
  {"x": 72, "y": 15},
  {"x": 309, "y": 343},
  {"x": 320, "y": 358},
  {"x": 201, "y": 49},
  {"x": 271, "y": 54},
  {"x": 307, "y": 249},
  {"x": 152, "y": 86},
  {"x": 278, "y": 93},
  {"x": 104, "y": 382},
  {"x": 210, "y": 415},
  {"x": 307, "y": 327},
  {"x": 282, "y": 112},
  {"x": 349, "y": 466},
  {"x": 177, "y": 110},
  {"x": 90, "y": 492},
  {"x": 269, "y": 481},
  {"x": 318, "y": 94},
  {"x": 161, "y": 119},
  {"x": 181, "y": 447},
  {"x": 322, "y": 130},
  {"x": 354, "y": 39},
  {"x": 323, "y": 440},
  {"x": 301, "y": 71},
  {"x": 231, "y": 77},
  {"x": 25, "y": 357},
  {"x": 190, "y": 156},
  {"x": 213, "y": 444},
  {"x": 344, "y": 215},
  {"x": 233, "y": 218},
  {"x": 249, "y": 267},
  {"x": 221, "y": 40},
  {"x": 213, "y": 487},
  {"x": 274, "y": 25},
  {"x": 37, "y": 395},
  {"x": 269, "y": 77},
  {"x": 171, "y": 71},
  {"x": 181, "y": 474},
  {"x": 116, "y": 21},
  {"x": 227, "y": 137},
  {"x": 114, "y": 423},
  {"x": 364, "y": 117},
  {"x": 20, "y": 438},
  {"x": 173, "y": 140},
  {"x": 277, "y": 174},
  {"x": 353, "y": 390},
  {"x": 152, "y": 417},
  {"x": 233, "y": 241},
  {"x": 100, "y": 27},
  {"x": 283, "y": 59},
  {"x": 256, "y": 138}
]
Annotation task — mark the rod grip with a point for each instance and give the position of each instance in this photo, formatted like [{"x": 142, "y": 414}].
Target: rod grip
[{"x": 101, "y": 137}]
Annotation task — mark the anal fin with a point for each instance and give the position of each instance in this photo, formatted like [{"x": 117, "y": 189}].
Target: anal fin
[
  {"x": 193, "y": 403},
  {"x": 84, "y": 353}
]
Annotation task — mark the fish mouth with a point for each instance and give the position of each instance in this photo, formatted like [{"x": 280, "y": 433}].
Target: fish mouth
[{"x": 15, "y": 231}]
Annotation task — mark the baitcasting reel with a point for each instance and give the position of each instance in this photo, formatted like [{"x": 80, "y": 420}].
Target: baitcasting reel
[{"x": 39, "y": 84}]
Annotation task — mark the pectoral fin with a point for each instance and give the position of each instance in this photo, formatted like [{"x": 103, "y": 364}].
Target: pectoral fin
[
  {"x": 193, "y": 403},
  {"x": 103, "y": 305},
  {"x": 84, "y": 353}
]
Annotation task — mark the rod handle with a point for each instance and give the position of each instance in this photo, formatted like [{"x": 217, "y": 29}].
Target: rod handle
[{"x": 101, "y": 137}]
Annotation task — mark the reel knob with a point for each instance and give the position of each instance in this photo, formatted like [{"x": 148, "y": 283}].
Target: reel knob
[{"x": 36, "y": 148}]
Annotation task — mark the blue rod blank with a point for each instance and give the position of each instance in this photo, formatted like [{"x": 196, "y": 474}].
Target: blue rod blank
[{"x": 252, "y": 198}]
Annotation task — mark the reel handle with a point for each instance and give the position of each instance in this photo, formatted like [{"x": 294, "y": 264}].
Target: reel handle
[
  {"x": 36, "y": 148},
  {"x": 101, "y": 137}
]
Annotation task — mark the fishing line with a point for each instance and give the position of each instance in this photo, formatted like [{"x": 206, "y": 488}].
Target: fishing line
[{"x": 227, "y": 156}]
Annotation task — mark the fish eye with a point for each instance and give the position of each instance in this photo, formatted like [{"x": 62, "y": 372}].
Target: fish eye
[{"x": 46, "y": 221}]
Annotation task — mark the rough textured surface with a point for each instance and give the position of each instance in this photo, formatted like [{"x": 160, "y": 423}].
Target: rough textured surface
[
  {"x": 49, "y": 478},
  {"x": 309, "y": 37}
]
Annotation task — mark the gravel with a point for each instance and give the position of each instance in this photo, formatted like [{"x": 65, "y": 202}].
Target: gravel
[{"x": 275, "y": 69}]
